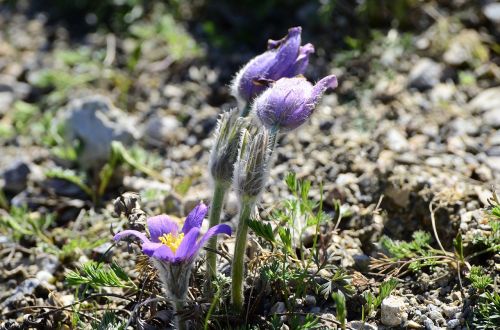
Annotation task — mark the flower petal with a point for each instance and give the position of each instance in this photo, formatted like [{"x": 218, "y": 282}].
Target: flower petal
[
  {"x": 125, "y": 233},
  {"x": 215, "y": 230},
  {"x": 195, "y": 218},
  {"x": 149, "y": 248},
  {"x": 300, "y": 65},
  {"x": 160, "y": 225},
  {"x": 163, "y": 253},
  {"x": 286, "y": 54},
  {"x": 243, "y": 84},
  {"x": 187, "y": 246},
  {"x": 329, "y": 82}
]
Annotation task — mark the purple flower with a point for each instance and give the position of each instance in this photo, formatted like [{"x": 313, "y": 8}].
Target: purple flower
[
  {"x": 170, "y": 245},
  {"x": 289, "y": 102},
  {"x": 284, "y": 58}
]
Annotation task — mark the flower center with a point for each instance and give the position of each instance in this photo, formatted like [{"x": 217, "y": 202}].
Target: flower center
[{"x": 172, "y": 241}]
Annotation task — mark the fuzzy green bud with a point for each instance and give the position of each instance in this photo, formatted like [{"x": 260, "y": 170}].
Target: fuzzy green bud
[
  {"x": 225, "y": 149},
  {"x": 252, "y": 167}
]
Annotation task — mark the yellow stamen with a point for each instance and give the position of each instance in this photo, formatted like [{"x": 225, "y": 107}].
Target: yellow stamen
[{"x": 172, "y": 241}]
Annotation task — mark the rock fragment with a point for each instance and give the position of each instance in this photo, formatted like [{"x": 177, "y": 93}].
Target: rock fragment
[
  {"x": 96, "y": 123},
  {"x": 393, "y": 310},
  {"x": 425, "y": 74}
]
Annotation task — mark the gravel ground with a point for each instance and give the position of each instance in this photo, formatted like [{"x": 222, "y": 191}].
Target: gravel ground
[{"x": 411, "y": 133}]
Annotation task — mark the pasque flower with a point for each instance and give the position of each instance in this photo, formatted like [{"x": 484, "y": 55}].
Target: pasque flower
[
  {"x": 173, "y": 251},
  {"x": 168, "y": 244},
  {"x": 289, "y": 102},
  {"x": 284, "y": 58}
]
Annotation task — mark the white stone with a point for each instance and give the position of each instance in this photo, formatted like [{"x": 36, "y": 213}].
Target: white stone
[
  {"x": 449, "y": 311},
  {"x": 492, "y": 12},
  {"x": 96, "y": 123},
  {"x": 488, "y": 99},
  {"x": 393, "y": 310},
  {"x": 492, "y": 118}
]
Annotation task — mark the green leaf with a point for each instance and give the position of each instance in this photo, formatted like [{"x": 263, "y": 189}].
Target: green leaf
[
  {"x": 99, "y": 275},
  {"x": 341, "y": 307},
  {"x": 286, "y": 238},
  {"x": 262, "y": 229}
]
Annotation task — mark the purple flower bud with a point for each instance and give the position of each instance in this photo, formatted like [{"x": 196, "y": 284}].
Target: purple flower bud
[
  {"x": 284, "y": 58},
  {"x": 290, "y": 102}
]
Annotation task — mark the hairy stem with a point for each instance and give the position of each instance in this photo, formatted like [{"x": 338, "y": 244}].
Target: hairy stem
[
  {"x": 180, "y": 324},
  {"x": 214, "y": 219},
  {"x": 238, "y": 271}
]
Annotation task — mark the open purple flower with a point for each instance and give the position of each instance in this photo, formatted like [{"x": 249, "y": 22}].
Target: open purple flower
[
  {"x": 284, "y": 58},
  {"x": 172, "y": 251},
  {"x": 289, "y": 102},
  {"x": 170, "y": 245}
]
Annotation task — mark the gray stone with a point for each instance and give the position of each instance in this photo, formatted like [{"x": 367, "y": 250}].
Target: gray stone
[
  {"x": 493, "y": 151},
  {"x": 360, "y": 325},
  {"x": 492, "y": 12},
  {"x": 310, "y": 300},
  {"x": 96, "y": 123},
  {"x": 452, "y": 324},
  {"x": 15, "y": 178},
  {"x": 435, "y": 315},
  {"x": 361, "y": 261},
  {"x": 26, "y": 287},
  {"x": 429, "y": 325},
  {"x": 432, "y": 307},
  {"x": 425, "y": 74},
  {"x": 278, "y": 308},
  {"x": 393, "y": 311}
]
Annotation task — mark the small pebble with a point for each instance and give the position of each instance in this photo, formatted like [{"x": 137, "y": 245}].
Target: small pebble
[
  {"x": 278, "y": 308},
  {"x": 453, "y": 323},
  {"x": 413, "y": 325},
  {"x": 435, "y": 315},
  {"x": 310, "y": 300},
  {"x": 393, "y": 311},
  {"x": 449, "y": 311}
]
